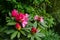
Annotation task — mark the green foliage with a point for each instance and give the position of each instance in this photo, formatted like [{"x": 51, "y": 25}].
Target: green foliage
[
  {"x": 50, "y": 35},
  {"x": 14, "y": 34},
  {"x": 36, "y": 36},
  {"x": 55, "y": 10},
  {"x": 32, "y": 7}
]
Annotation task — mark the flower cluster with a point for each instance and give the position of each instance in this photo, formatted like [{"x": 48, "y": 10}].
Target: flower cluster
[
  {"x": 20, "y": 18},
  {"x": 39, "y": 18}
]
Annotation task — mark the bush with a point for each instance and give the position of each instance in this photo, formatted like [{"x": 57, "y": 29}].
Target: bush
[{"x": 24, "y": 19}]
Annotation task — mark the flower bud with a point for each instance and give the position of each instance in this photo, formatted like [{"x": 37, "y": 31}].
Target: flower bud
[
  {"x": 33, "y": 30},
  {"x": 18, "y": 26}
]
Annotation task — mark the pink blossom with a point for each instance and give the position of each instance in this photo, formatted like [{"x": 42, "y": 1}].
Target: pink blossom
[
  {"x": 26, "y": 15},
  {"x": 22, "y": 18},
  {"x": 21, "y": 15},
  {"x": 24, "y": 23},
  {"x": 36, "y": 17},
  {"x": 25, "y": 19},
  {"x": 14, "y": 13},
  {"x": 41, "y": 19}
]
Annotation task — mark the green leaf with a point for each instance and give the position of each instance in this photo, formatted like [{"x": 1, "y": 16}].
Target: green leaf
[
  {"x": 2, "y": 29},
  {"x": 11, "y": 23},
  {"x": 27, "y": 29},
  {"x": 18, "y": 34},
  {"x": 40, "y": 34},
  {"x": 29, "y": 35},
  {"x": 13, "y": 0},
  {"x": 32, "y": 38},
  {"x": 13, "y": 35},
  {"x": 38, "y": 38},
  {"x": 35, "y": 24},
  {"x": 9, "y": 31},
  {"x": 23, "y": 32},
  {"x": 9, "y": 14},
  {"x": 8, "y": 0}
]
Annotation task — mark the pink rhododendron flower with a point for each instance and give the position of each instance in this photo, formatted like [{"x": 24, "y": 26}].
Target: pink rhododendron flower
[
  {"x": 20, "y": 17},
  {"x": 14, "y": 13},
  {"x": 24, "y": 23},
  {"x": 41, "y": 19},
  {"x": 18, "y": 26},
  {"x": 26, "y": 15},
  {"x": 23, "y": 18},
  {"x": 36, "y": 17}
]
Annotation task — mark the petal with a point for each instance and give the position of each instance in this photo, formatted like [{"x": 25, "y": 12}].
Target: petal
[
  {"x": 14, "y": 13},
  {"x": 41, "y": 19},
  {"x": 36, "y": 17},
  {"x": 24, "y": 23},
  {"x": 26, "y": 15}
]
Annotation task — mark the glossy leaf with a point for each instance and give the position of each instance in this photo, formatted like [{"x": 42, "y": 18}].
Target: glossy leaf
[
  {"x": 13, "y": 35},
  {"x": 18, "y": 34}
]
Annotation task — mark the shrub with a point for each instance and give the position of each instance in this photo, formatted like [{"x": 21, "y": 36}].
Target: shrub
[{"x": 24, "y": 19}]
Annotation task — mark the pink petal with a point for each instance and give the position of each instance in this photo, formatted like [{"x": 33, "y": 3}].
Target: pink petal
[
  {"x": 17, "y": 18},
  {"x": 14, "y": 13},
  {"x": 21, "y": 16},
  {"x": 24, "y": 23},
  {"x": 36, "y": 17},
  {"x": 26, "y": 15},
  {"x": 25, "y": 19},
  {"x": 41, "y": 19}
]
